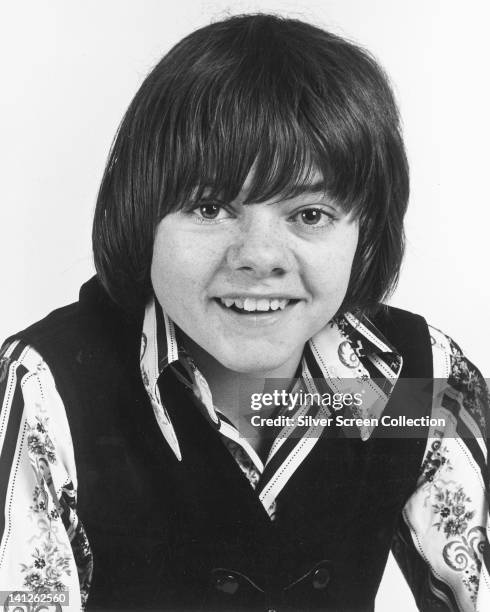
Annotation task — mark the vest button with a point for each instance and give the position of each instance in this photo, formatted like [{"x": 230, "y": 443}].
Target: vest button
[
  {"x": 320, "y": 578},
  {"x": 227, "y": 583}
]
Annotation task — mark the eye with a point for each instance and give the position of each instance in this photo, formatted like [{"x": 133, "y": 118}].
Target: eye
[
  {"x": 313, "y": 217},
  {"x": 209, "y": 212}
]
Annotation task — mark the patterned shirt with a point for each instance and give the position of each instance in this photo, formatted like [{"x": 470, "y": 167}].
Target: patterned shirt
[{"x": 442, "y": 546}]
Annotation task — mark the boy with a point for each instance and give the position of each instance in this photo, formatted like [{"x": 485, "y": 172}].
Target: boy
[{"x": 248, "y": 226}]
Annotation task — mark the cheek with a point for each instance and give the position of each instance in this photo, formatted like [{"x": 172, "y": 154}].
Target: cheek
[
  {"x": 165, "y": 265},
  {"x": 181, "y": 265},
  {"x": 330, "y": 273}
]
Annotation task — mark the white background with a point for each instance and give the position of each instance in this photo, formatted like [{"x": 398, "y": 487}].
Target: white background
[{"x": 70, "y": 68}]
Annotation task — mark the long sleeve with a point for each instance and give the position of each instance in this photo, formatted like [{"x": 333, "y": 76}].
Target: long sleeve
[
  {"x": 442, "y": 543},
  {"x": 42, "y": 543}
]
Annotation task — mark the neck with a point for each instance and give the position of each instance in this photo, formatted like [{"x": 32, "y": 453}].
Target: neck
[{"x": 232, "y": 390}]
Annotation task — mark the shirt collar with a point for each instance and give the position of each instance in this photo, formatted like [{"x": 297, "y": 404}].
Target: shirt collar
[{"x": 346, "y": 353}]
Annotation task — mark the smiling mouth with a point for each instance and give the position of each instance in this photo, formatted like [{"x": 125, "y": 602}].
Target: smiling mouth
[{"x": 255, "y": 306}]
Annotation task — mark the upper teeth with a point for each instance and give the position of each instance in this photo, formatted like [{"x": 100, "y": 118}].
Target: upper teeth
[{"x": 252, "y": 304}]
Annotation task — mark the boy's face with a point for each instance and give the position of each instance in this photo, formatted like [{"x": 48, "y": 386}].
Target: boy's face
[{"x": 283, "y": 265}]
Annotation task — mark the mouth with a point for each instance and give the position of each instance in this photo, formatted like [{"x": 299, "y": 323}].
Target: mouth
[{"x": 247, "y": 306}]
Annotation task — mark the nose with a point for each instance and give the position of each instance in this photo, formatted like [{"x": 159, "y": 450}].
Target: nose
[{"x": 259, "y": 248}]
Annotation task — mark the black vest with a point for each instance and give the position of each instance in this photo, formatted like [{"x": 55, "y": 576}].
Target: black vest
[{"x": 192, "y": 535}]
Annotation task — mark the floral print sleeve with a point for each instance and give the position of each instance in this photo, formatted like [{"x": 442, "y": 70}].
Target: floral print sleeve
[
  {"x": 43, "y": 546},
  {"x": 442, "y": 544}
]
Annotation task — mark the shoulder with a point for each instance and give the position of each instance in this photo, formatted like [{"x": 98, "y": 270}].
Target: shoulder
[
  {"x": 93, "y": 329},
  {"x": 402, "y": 328},
  {"x": 93, "y": 311},
  {"x": 461, "y": 395},
  {"x": 82, "y": 352},
  {"x": 23, "y": 373},
  {"x": 23, "y": 366},
  {"x": 406, "y": 333},
  {"x": 411, "y": 334},
  {"x": 451, "y": 362}
]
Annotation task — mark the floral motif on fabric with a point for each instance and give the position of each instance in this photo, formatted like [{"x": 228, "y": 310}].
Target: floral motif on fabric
[
  {"x": 466, "y": 378},
  {"x": 38, "y": 441},
  {"x": 453, "y": 512},
  {"x": 49, "y": 567},
  {"x": 435, "y": 459}
]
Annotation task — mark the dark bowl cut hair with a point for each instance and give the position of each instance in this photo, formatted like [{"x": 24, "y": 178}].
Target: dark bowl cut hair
[{"x": 262, "y": 91}]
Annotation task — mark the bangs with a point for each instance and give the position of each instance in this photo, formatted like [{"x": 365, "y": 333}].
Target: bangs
[{"x": 275, "y": 160}]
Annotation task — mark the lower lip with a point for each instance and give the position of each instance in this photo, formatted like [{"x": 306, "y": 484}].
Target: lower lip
[{"x": 257, "y": 319}]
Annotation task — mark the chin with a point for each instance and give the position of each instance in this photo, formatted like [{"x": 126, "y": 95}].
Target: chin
[{"x": 255, "y": 362}]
